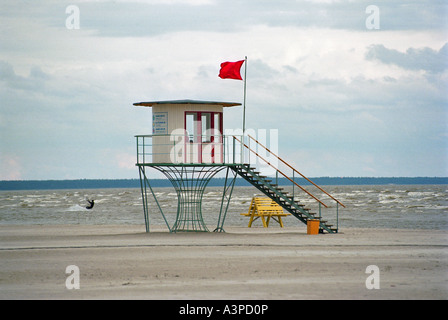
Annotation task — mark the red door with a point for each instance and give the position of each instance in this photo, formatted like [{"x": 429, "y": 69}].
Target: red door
[{"x": 203, "y": 143}]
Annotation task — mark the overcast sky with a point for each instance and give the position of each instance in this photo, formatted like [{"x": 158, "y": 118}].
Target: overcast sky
[{"x": 348, "y": 98}]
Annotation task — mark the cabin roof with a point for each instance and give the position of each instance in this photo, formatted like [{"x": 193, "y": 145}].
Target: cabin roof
[{"x": 186, "y": 101}]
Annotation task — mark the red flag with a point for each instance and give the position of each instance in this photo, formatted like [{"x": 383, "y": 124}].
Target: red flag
[{"x": 231, "y": 70}]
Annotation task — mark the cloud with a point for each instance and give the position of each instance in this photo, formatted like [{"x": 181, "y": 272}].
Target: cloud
[
  {"x": 34, "y": 82},
  {"x": 426, "y": 59},
  {"x": 150, "y": 18},
  {"x": 146, "y": 18},
  {"x": 10, "y": 167},
  {"x": 314, "y": 72},
  {"x": 57, "y": 123},
  {"x": 125, "y": 160}
]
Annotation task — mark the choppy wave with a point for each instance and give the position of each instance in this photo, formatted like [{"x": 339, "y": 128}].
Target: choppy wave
[
  {"x": 76, "y": 207},
  {"x": 388, "y": 206}
]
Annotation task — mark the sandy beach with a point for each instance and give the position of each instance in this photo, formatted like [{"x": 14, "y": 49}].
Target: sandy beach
[{"x": 124, "y": 262}]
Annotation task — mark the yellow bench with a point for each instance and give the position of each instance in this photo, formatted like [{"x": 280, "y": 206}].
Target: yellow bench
[{"x": 265, "y": 208}]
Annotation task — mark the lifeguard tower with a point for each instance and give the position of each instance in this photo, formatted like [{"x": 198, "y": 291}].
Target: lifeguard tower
[{"x": 188, "y": 147}]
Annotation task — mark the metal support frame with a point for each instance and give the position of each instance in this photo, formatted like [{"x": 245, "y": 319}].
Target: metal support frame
[
  {"x": 189, "y": 182},
  {"x": 144, "y": 185},
  {"x": 226, "y": 195}
]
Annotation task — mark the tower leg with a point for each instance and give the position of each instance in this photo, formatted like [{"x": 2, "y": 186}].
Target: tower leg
[
  {"x": 144, "y": 186},
  {"x": 226, "y": 195}
]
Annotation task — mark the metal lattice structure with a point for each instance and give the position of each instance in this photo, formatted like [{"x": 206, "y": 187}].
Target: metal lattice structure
[{"x": 189, "y": 182}]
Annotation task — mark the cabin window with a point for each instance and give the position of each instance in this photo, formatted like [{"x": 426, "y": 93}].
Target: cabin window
[
  {"x": 206, "y": 126},
  {"x": 202, "y": 126},
  {"x": 217, "y": 123},
  {"x": 191, "y": 121}
]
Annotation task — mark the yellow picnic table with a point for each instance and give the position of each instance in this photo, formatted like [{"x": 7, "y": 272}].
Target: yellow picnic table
[{"x": 265, "y": 208}]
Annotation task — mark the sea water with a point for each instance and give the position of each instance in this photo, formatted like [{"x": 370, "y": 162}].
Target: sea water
[{"x": 381, "y": 206}]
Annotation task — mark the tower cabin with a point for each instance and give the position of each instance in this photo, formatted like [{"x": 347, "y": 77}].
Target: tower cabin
[{"x": 184, "y": 132}]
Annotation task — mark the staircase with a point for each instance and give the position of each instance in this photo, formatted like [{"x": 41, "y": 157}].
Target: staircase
[{"x": 283, "y": 198}]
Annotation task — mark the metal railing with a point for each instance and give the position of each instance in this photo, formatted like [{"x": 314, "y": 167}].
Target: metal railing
[
  {"x": 291, "y": 177},
  {"x": 189, "y": 149},
  {"x": 295, "y": 171}
]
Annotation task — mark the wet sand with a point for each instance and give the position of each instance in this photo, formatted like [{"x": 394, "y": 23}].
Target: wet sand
[{"x": 124, "y": 262}]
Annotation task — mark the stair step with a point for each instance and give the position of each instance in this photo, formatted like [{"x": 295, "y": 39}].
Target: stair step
[{"x": 298, "y": 209}]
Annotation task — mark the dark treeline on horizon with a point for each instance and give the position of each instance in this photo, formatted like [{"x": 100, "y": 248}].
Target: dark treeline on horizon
[{"x": 135, "y": 183}]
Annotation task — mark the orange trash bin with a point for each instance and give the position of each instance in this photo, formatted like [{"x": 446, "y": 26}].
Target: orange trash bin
[{"x": 312, "y": 226}]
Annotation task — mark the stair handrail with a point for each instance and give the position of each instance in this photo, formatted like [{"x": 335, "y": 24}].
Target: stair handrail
[
  {"x": 310, "y": 194},
  {"x": 297, "y": 171}
]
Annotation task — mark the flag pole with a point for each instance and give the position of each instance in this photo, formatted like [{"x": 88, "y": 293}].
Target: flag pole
[{"x": 244, "y": 101}]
